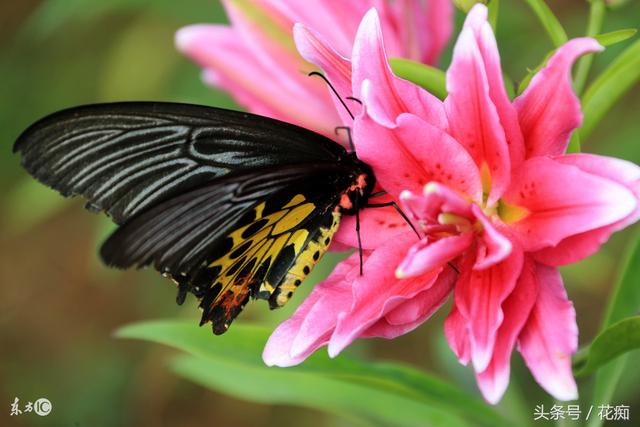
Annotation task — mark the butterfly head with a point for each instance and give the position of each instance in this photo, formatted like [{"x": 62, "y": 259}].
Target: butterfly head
[{"x": 356, "y": 195}]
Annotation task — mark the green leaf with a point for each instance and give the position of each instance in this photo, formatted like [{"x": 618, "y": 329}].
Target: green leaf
[
  {"x": 625, "y": 302},
  {"x": 509, "y": 86},
  {"x": 550, "y": 23},
  {"x": 615, "y": 81},
  {"x": 614, "y": 341},
  {"x": 386, "y": 393},
  {"x": 494, "y": 7},
  {"x": 613, "y": 37},
  {"x": 574, "y": 144},
  {"x": 466, "y": 5},
  {"x": 430, "y": 78},
  {"x": 596, "y": 19}
]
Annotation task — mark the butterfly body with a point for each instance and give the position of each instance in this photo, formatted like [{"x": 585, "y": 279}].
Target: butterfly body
[{"x": 229, "y": 205}]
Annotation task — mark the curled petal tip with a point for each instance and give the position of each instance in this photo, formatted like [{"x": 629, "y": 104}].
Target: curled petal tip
[
  {"x": 182, "y": 39},
  {"x": 299, "y": 33},
  {"x": 562, "y": 390},
  {"x": 370, "y": 18},
  {"x": 269, "y": 358},
  {"x": 334, "y": 348},
  {"x": 187, "y": 38},
  {"x": 481, "y": 358},
  {"x": 478, "y": 11},
  {"x": 492, "y": 392},
  {"x": 597, "y": 47}
]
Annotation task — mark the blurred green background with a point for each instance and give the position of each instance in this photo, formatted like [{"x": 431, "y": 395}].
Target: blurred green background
[{"x": 59, "y": 306}]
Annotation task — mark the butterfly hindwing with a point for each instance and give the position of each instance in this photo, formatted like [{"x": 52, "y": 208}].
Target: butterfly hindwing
[
  {"x": 253, "y": 234},
  {"x": 268, "y": 258}
]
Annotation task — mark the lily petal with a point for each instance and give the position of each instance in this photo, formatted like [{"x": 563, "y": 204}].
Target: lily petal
[
  {"x": 277, "y": 56},
  {"x": 377, "y": 292},
  {"x": 493, "y": 381},
  {"x": 579, "y": 246},
  {"x": 479, "y": 296},
  {"x": 582, "y": 202},
  {"x": 478, "y": 23},
  {"x": 548, "y": 109},
  {"x": 414, "y": 154},
  {"x": 412, "y": 312},
  {"x": 259, "y": 89},
  {"x": 550, "y": 336},
  {"x": 473, "y": 117},
  {"x": 377, "y": 225},
  {"x": 446, "y": 200},
  {"x": 337, "y": 20},
  {"x": 493, "y": 247},
  {"x": 337, "y": 68},
  {"x": 425, "y": 256},
  {"x": 311, "y": 325},
  {"x": 387, "y": 96},
  {"x": 456, "y": 330},
  {"x": 437, "y": 18}
]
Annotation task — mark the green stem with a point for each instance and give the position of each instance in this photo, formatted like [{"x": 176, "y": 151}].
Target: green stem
[
  {"x": 596, "y": 17},
  {"x": 552, "y": 26}
]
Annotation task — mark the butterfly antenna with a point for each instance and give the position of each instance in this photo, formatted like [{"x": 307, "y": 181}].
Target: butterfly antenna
[
  {"x": 333, "y": 89},
  {"x": 348, "y": 130}
]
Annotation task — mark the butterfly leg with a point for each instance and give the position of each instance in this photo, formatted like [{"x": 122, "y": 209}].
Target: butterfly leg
[
  {"x": 397, "y": 208},
  {"x": 404, "y": 216}
]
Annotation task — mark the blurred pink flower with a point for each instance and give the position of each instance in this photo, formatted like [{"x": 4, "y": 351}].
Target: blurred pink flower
[
  {"x": 488, "y": 185},
  {"x": 256, "y": 61}
]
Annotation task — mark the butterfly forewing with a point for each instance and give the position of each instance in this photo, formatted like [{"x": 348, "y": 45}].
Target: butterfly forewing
[{"x": 125, "y": 157}]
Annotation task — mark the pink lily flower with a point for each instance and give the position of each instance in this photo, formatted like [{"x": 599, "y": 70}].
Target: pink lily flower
[
  {"x": 255, "y": 59},
  {"x": 488, "y": 184}
]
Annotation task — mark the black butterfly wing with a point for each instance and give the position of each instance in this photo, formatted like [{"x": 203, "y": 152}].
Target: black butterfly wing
[
  {"x": 229, "y": 204},
  {"x": 254, "y": 234},
  {"x": 125, "y": 157}
]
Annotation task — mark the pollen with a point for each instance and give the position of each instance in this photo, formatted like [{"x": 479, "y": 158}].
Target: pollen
[{"x": 462, "y": 224}]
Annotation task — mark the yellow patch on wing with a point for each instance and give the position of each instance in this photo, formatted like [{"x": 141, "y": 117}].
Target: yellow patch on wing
[
  {"x": 255, "y": 247},
  {"x": 308, "y": 257}
]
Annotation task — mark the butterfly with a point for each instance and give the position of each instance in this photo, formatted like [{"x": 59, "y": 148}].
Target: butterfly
[{"x": 231, "y": 206}]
